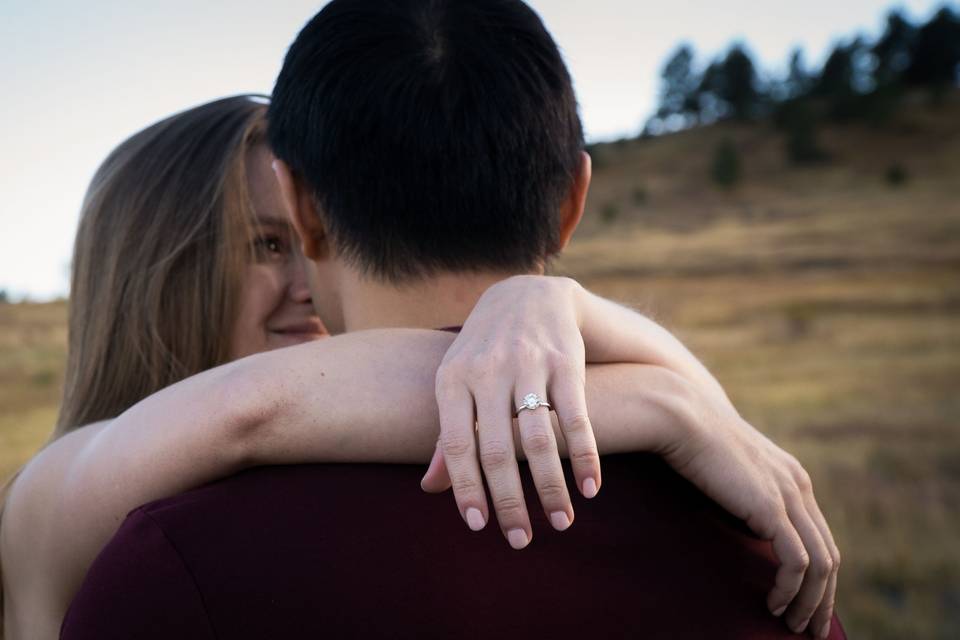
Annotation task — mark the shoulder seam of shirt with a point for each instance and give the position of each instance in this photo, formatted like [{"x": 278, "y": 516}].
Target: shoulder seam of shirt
[{"x": 186, "y": 568}]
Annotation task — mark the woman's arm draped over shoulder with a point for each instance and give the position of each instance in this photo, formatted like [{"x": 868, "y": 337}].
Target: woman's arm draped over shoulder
[{"x": 362, "y": 397}]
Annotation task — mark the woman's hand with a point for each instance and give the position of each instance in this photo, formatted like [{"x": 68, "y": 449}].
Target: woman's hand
[
  {"x": 527, "y": 335},
  {"x": 766, "y": 487},
  {"x": 522, "y": 338}
]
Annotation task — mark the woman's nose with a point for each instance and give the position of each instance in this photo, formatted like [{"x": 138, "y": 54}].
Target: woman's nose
[{"x": 299, "y": 289}]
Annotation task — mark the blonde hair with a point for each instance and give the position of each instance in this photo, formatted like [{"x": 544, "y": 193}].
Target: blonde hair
[{"x": 165, "y": 229}]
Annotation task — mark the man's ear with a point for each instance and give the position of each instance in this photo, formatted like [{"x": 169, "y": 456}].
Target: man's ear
[
  {"x": 302, "y": 212},
  {"x": 571, "y": 211}
]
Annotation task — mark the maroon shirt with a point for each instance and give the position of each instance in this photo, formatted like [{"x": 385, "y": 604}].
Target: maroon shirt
[{"x": 356, "y": 550}]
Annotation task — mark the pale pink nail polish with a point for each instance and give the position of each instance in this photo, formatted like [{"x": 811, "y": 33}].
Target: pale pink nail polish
[
  {"x": 779, "y": 612},
  {"x": 559, "y": 520},
  {"x": 518, "y": 538},
  {"x": 825, "y": 630},
  {"x": 475, "y": 519},
  {"x": 589, "y": 488}
]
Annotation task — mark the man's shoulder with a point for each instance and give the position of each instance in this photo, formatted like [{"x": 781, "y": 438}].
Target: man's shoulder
[
  {"x": 272, "y": 490},
  {"x": 327, "y": 487},
  {"x": 320, "y": 547},
  {"x": 288, "y": 508},
  {"x": 336, "y": 486},
  {"x": 149, "y": 589}
]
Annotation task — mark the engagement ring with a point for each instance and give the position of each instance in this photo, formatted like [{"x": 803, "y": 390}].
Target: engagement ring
[{"x": 532, "y": 401}]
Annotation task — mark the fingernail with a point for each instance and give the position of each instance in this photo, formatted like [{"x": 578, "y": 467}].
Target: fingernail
[
  {"x": 801, "y": 627},
  {"x": 779, "y": 612},
  {"x": 475, "y": 519},
  {"x": 517, "y": 538},
  {"x": 825, "y": 630},
  {"x": 589, "y": 488},
  {"x": 559, "y": 520}
]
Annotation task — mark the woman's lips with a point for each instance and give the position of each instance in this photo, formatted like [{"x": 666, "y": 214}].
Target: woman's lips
[{"x": 312, "y": 328}]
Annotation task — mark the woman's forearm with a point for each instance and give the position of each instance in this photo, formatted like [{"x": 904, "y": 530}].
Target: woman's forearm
[
  {"x": 322, "y": 415},
  {"x": 366, "y": 397},
  {"x": 614, "y": 333}
]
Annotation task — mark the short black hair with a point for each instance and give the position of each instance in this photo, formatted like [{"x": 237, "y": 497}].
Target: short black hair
[{"x": 435, "y": 135}]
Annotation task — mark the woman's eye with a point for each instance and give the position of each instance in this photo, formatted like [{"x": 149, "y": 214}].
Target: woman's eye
[{"x": 270, "y": 248}]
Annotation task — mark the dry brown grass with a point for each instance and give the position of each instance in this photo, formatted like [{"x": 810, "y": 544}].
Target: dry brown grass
[
  {"x": 827, "y": 302},
  {"x": 33, "y": 343}
]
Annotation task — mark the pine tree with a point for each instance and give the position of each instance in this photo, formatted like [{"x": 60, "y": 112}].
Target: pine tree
[
  {"x": 892, "y": 51},
  {"x": 935, "y": 53},
  {"x": 679, "y": 85},
  {"x": 739, "y": 84}
]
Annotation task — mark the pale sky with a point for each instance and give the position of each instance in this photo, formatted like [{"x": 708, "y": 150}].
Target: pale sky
[{"x": 79, "y": 77}]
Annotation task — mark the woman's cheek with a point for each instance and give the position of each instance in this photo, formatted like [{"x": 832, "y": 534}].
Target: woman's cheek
[{"x": 260, "y": 295}]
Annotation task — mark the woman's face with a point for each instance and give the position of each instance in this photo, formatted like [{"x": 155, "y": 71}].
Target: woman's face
[{"x": 275, "y": 306}]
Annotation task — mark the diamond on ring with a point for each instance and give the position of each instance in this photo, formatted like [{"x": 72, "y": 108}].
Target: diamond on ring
[{"x": 532, "y": 401}]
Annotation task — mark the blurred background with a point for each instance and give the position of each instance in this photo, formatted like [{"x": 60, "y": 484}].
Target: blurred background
[{"x": 777, "y": 183}]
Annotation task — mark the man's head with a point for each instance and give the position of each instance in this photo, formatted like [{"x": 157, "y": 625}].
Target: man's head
[{"x": 429, "y": 137}]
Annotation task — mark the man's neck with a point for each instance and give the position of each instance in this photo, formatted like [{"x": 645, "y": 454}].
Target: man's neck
[{"x": 439, "y": 301}]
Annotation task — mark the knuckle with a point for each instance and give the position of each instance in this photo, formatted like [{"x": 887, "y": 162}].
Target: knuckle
[
  {"x": 570, "y": 364},
  {"x": 478, "y": 365},
  {"x": 803, "y": 480},
  {"x": 585, "y": 457},
  {"x": 537, "y": 442},
  {"x": 494, "y": 456},
  {"x": 529, "y": 351},
  {"x": 822, "y": 568},
  {"x": 464, "y": 485},
  {"x": 577, "y": 424},
  {"x": 455, "y": 445},
  {"x": 800, "y": 563},
  {"x": 448, "y": 377},
  {"x": 768, "y": 518},
  {"x": 799, "y": 475},
  {"x": 556, "y": 359},
  {"x": 448, "y": 370},
  {"x": 551, "y": 490},
  {"x": 507, "y": 505}
]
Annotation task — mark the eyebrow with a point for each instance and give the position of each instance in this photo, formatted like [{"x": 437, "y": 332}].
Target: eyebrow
[{"x": 271, "y": 220}]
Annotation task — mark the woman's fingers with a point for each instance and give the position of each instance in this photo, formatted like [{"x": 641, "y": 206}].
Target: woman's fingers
[
  {"x": 794, "y": 560},
  {"x": 822, "y": 617},
  {"x": 818, "y": 572},
  {"x": 569, "y": 400},
  {"x": 498, "y": 457},
  {"x": 540, "y": 446},
  {"x": 819, "y": 626},
  {"x": 436, "y": 479},
  {"x": 458, "y": 441}
]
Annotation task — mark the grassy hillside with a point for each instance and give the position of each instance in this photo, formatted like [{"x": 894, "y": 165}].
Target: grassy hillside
[
  {"x": 33, "y": 347},
  {"x": 825, "y": 300}
]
